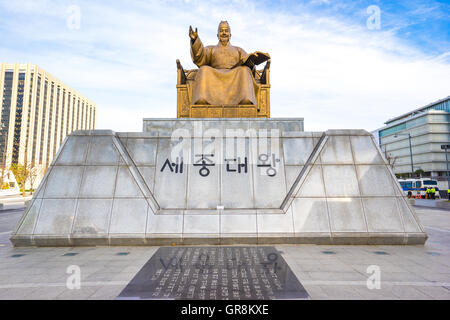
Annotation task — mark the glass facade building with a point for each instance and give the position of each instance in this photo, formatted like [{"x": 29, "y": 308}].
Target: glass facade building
[
  {"x": 428, "y": 128},
  {"x": 37, "y": 114}
]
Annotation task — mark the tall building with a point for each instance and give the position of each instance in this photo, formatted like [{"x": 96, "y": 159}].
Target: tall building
[
  {"x": 38, "y": 111},
  {"x": 427, "y": 128}
]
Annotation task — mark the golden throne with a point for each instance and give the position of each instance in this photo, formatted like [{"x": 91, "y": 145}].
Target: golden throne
[{"x": 185, "y": 109}]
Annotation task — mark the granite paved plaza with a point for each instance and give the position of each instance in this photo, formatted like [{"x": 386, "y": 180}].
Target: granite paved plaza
[{"x": 326, "y": 272}]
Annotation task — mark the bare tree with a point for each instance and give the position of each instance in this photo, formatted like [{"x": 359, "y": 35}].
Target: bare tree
[
  {"x": 4, "y": 169},
  {"x": 391, "y": 160},
  {"x": 21, "y": 173},
  {"x": 33, "y": 173}
]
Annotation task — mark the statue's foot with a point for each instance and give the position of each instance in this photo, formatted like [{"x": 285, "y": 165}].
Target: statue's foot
[
  {"x": 246, "y": 101},
  {"x": 201, "y": 101}
]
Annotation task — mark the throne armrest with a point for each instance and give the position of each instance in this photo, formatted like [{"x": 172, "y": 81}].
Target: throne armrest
[
  {"x": 265, "y": 74},
  {"x": 181, "y": 74}
]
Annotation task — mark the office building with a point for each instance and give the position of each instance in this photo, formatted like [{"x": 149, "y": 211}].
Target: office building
[
  {"x": 38, "y": 111},
  {"x": 426, "y": 128}
]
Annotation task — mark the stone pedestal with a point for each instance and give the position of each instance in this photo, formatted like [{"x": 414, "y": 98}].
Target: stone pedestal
[{"x": 189, "y": 182}]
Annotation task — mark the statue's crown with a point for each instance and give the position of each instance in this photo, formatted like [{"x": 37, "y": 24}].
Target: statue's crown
[{"x": 223, "y": 22}]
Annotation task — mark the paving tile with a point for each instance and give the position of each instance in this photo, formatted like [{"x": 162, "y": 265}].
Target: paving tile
[
  {"x": 439, "y": 293},
  {"x": 124, "y": 276},
  {"x": 384, "y": 293},
  {"x": 77, "y": 294},
  {"x": 337, "y": 276},
  {"x": 316, "y": 293},
  {"x": 109, "y": 292},
  {"x": 362, "y": 268},
  {"x": 341, "y": 292},
  {"x": 13, "y": 279},
  {"x": 45, "y": 293},
  {"x": 402, "y": 277},
  {"x": 437, "y": 277},
  {"x": 15, "y": 293},
  {"x": 101, "y": 276},
  {"x": 134, "y": 268},
  {"x": 410, "y": 293}
]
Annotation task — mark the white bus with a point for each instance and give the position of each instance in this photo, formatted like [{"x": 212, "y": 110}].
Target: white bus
[{"x": 418, "y": 187}]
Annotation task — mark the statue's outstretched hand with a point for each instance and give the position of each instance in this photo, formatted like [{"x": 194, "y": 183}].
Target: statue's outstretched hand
[{"x": 193, "y": 34}]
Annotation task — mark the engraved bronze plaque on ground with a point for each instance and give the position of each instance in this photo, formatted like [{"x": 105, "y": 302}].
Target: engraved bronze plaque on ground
[{"x": 215, "y": 273}]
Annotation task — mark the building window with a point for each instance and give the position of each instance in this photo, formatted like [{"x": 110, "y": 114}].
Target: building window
[
  {"x": 82, "y": 127},
  {"x": 393, "y": 129},
  {"x": 78, "y": 115},
  {"x": 43, "y": 122},
  {"x": 50, "y": 124},
  {"x": 68, "y": 114},
  {"x": 90, "y": 117},
  {"x": 73, "y": 115},
  {"x": 6, "y": 109},
  {"x": 30, "y": 99},
  {"x": 443, "y": 106},
  {"x": 55, "y": 136},
  {"x": 36, "y": 117},
  {"x": 18, "y": 121},
  {"x": 61, "y": 135}
]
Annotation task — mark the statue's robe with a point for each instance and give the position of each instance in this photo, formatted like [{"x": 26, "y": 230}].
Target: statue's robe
[{"x": 221, "y": 78}]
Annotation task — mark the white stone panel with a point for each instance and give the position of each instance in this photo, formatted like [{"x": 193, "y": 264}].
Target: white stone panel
[
  {"x": 375, "y": 180},
  {"x": 337, "y": 151},
  {"x": 165, "y": 223},
  {"x": 238, "y": 223},
  {"x": 63, "y": 182},
  {"x": 313, "y": 184},
  {"x": 148, "y": 173},
  {"x": 74, "y": 151},
  {"x": 142, "y": 151},
  {"x": 170, "y": 186},
  {"x": 275, "y": 223},
  {"x": 221, "y": 126},
  {"x": 270, "y": 191},
  {"x": 297, "y": 150},
  {"x": 292, "y": 173},
  {"x": 126, "y": 186},
  {"x": 408, "y": 219},
  {"x": 397, "y": 188},
  {"x": 340, "y": 180},
  {"x": 310, "y": 215},
  {"x": 129, "y": 216},
  {"x": 382, "y": 215},
  {"x": 30, "y": 218},
  {"x": 102, "y": 151},
  {"x": 346, "y": 215},
  {"x": 201, "y": 224},
  {"x": 56, "y": 217},
  {"x": 98, "y": 182},
  {"x": 39, "y": 193},
  {"x": 204, "y": 175},
  {"x": 92, "y": 216},
  {"x": 365, "y": 151},
  {"x": 237, "y": 188}
]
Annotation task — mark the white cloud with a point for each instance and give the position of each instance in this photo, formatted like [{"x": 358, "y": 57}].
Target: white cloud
[{"x": 332, "y": 73}]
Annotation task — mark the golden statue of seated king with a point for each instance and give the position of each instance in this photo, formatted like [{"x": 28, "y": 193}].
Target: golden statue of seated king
[{"x": 227, "y": 84}]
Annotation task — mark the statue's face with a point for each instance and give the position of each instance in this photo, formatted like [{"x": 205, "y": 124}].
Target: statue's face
[{"x": 224, "y": 34}]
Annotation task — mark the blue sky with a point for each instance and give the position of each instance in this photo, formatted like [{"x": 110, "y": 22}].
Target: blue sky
[{"x": 327, "y": 65}]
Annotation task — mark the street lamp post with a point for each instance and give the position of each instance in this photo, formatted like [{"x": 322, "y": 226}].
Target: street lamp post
[
  {"x": 410, "y": 151},
  {"x": 446, "y": 147}
]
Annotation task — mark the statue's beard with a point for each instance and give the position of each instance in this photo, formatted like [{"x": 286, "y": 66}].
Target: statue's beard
[{"x": 224, "y": 40}]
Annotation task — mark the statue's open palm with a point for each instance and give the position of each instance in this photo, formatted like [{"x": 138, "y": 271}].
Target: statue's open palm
[{"x": 193, "y": 34}]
